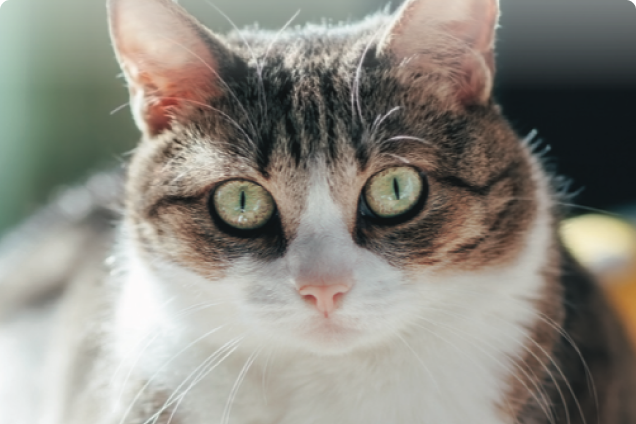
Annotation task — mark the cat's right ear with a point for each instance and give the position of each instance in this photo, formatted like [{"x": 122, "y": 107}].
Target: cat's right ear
[
  {"x": 451, "y": 41},
  {"x": 171, "y": 62}
]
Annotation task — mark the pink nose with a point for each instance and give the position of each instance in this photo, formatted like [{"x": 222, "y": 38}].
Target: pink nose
[{"x": 324, "y": 297}]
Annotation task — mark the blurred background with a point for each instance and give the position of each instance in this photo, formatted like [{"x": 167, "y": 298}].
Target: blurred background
[{"x": 567, "y": 68}]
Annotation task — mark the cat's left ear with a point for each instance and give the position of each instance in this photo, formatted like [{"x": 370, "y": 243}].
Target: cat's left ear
[
  {"x": 452, "y": 39},
  {"x": 172, "y": 63}
]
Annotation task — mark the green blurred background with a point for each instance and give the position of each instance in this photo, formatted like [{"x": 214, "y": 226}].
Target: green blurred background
[
  {"x": 59, "y": 85},
  {"x": 561, "y": 69}
]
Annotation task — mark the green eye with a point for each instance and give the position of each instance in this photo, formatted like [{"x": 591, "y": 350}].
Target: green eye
[
  {"x": 243, "y": 204},
  {"x": 394, "y": 191}
]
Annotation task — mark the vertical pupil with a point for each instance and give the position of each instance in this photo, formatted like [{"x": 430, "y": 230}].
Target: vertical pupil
[
  {"x": 242, "y": 201},
  {"x": 396, "y": 188}
]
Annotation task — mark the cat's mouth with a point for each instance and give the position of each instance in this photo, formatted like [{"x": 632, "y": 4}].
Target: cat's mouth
[
  {"x": 333, "y": 334},
  {"x": 329, "y": 337}
]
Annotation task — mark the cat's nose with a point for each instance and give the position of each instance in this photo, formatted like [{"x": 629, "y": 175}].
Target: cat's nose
[{"x": 324, "y": 297}]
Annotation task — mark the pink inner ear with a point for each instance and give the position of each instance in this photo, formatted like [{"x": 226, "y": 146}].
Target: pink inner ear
[
  {"x": 172, "y": 94},
  {"x": 476, "y": 83},
  {"x": 167, "y": 59},
  {"x": 157, "y": 110},
  {"x": 425, "y": 32}
]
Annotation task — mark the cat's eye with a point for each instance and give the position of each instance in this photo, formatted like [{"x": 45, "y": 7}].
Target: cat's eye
[
  {"x": 243, "y": 205},
  {"x": 394, "y": 192}
]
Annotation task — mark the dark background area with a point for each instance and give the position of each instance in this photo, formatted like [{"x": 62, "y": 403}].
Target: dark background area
[
  {"x": 566, "y": 68},
  {"x": 591, "y": 133}
]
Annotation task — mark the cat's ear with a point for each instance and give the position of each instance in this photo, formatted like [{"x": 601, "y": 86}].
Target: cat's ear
[
  {"x": 451, "y": 38},
  {"x": 171, "y": 62}
]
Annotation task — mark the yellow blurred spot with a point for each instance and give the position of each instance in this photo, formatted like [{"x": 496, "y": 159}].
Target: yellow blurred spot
[{"x": 607, "y": 247}]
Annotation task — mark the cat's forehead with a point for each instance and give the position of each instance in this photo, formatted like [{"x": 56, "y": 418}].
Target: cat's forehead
[
  {"x": 283, "y": 122},
  {"x": 315, "y": 116},
  {"x": 321, "y": 94},
  {"x": 309, "y": 45}
]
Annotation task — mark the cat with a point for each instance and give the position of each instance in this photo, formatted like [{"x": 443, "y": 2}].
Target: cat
[{"x": 327, "y": 224}]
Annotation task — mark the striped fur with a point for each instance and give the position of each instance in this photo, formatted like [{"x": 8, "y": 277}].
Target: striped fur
[{"x": 465, "y": 310}]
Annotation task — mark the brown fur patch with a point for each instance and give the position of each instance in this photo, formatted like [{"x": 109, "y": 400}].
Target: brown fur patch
[{"x": 579, "y": 367}]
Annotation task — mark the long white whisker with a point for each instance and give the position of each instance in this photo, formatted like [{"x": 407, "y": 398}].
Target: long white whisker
[
  {"x": 132, "y": 350},
  {"x": 569, "y": 205},
  {"x": 530, "y": 137},
  {"x": 160, "y": 369},
  {"x": 237, "y": 384},
  {"x": 417, "y": 356},
  {"x": 118, "y": 108},
  {"x": 261, "y": 86},
  {"x": 460, "y": 351},
  {"x": 264, "y": 376},
  {"x": 150, "y": 338},
  {"x": 546, "y": 368},
  {"x": 236, "y": 28},
  {"x": 261, "y": 65},
  {"x": 218, "y": 76},
  {"x": 355, "y": 91},
  {"x": 223, "y": 114},
  {"x": 549, "y": 321},
  {"x": 543, "y": 402},
  {"x": 408, "y": 137},
  {"x": 380, "y": 120},
  {"x": 196, "y": 376},
  {"x": 588, "y": 373},
  {"x": 565, "y": 380}
]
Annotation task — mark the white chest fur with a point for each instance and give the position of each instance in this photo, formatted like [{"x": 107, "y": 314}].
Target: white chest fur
[
  {"x": 452, "y": 363},
  {"x": 450, "y": 381},
  {"x": 453, "y": 367}
]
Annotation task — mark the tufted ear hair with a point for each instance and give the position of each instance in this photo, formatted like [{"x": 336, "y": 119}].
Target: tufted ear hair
[
  {"x": 451, "y": 38},
  {"x": 171, "y": 62}
]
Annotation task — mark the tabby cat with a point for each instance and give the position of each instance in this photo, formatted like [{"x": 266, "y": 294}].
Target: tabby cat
[{"x": 328, "y": 224}]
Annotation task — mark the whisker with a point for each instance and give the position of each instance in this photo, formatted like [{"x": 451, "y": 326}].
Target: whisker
[
  {"x": 261, "y": 86},
  {"x": 552, "y": 361},
  {"x": 218, "y": 76},
  {"x": 236, "y": 28},
  {"x": 115, "y": 376},
  {"x": 569, "y": 205},
  {"x": 588, "y": 372},
  {"x": 428, "y": 371},
  {"x": 201, "y": 371},
  {"x": 279, "y": 33},
  {"x": 261, "y": 65},
  {"x": 532, "y": 135},
  {"x": 355, "y": 90},
  {"x": 119, "y": 108},
  {"x": 158, "y": 371},
  {"x": 543, "y": 402},
  {"x": 264, "y": 376},
  {"x": 400, "y": 158},
  {"x": 590, "y": 209},
  {"x": 185, "y": 312},
  {"x": 223, "y": 114},
  {"x": 380, "y": 120},
  {"x": 237, "y": 384},
  {"x": 408, "y": 137},
  {"x": 565, "y": 380}
]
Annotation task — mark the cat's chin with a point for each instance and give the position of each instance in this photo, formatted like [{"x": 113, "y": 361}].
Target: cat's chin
[
  {"x": 329, "y": 338},
  {"x": 326, "y": 346}
]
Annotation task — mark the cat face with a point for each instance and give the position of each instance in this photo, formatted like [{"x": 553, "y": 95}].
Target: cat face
[{"x": 332, "y": 187}]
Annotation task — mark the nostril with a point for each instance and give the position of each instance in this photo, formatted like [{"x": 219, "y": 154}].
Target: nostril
[
  {"x": 310, "y": 298},
  {"x": 324, "y": 298},
  {"x": 337, "y": 297}
]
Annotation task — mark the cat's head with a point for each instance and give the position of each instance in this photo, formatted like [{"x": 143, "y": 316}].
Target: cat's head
[{"x": 328, "y": 187}]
